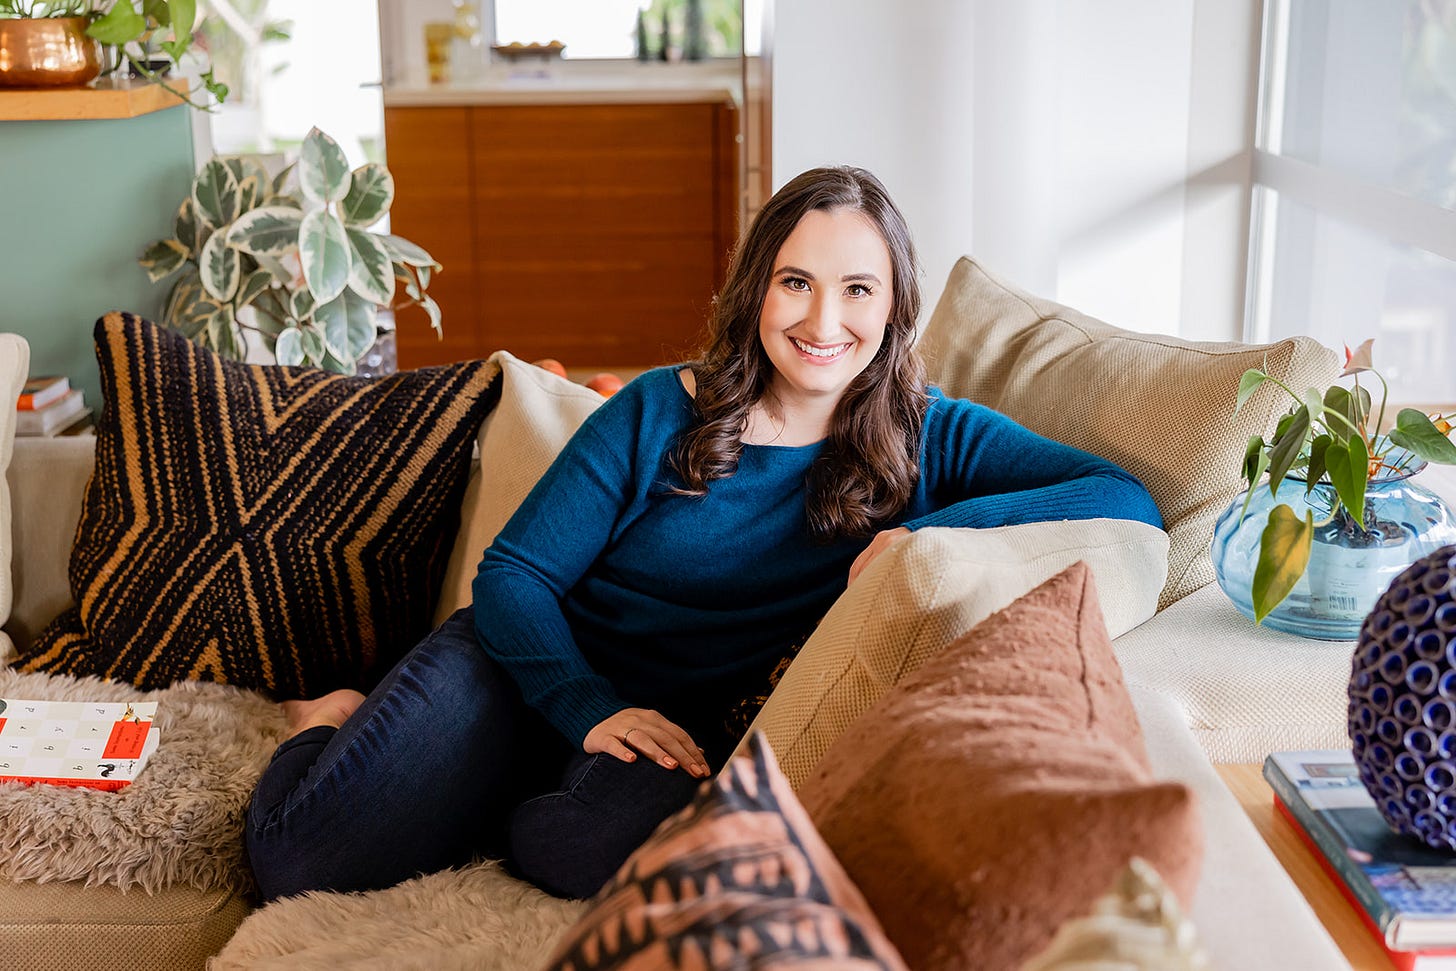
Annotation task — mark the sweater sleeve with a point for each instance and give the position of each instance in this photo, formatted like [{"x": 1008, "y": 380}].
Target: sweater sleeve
[
  {"x": 982, "y": 470},
  {"x": 543, "y": 550}
]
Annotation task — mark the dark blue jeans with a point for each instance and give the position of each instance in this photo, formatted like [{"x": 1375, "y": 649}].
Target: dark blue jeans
[{"x": 444, "y": 763}]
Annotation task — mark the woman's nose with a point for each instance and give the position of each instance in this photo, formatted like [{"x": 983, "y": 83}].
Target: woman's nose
[{"x": 822, "y": 321}]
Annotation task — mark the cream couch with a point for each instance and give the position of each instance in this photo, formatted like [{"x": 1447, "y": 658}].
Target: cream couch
[{"x": 1208, "y": 686}]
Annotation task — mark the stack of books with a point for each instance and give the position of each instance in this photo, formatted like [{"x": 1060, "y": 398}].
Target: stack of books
[
  {"x": 1404, "y": 890},
  {"x": 50, "y": 406}
]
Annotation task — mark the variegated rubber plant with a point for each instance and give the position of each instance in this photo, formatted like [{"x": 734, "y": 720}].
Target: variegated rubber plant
[
  {"x": 1329, "y": 437},
  {"x": 306, "y": 264}
]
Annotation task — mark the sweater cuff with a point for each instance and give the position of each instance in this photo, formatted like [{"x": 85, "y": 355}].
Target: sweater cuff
[{"x": 577, "y": 706}]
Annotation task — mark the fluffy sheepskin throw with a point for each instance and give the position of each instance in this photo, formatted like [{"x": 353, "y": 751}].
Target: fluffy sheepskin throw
[
  {"x": 477, "y": 917},
  {"x": 180, "y": 822}
]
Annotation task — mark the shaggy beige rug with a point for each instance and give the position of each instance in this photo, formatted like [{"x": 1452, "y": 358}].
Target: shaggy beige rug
[
  {"x": 478, "y": 918},
  {"x": 180, "y": 822}
]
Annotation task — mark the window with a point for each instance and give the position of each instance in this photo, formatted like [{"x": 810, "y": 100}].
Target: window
[
  {"x": 1354, "y": 227},
  {"x": 608, "y": 28}
]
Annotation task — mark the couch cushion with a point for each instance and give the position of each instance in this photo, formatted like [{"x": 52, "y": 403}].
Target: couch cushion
[
  {"x": 996, "y": 791},
  {"x": 47, "y": 478},
  {"x": 65, "y": 926},
  {"x": 926, "y": 591},
  {"x": 14, "y": 365},
  {"x": 1249, "y": 914},
  {"x": 276, "y": 528},
  {"x": 1160, "y": 407},
  {"x": 1245, "y": 691},
  {"x": 536, "y": 414},
  {"x": 737, "y": 879}
]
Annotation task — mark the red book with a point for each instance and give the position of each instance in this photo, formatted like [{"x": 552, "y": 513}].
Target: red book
[
  {"x": 1443, "y": 959},
  {"x": 40, "y": 391}
]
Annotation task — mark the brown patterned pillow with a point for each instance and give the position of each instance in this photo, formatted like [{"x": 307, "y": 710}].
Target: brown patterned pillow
[
  {"x": 277, "y": 528},
  {"x": 739, "y": 879}
]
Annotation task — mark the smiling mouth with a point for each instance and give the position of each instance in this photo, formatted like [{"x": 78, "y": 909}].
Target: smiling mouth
[{"x": 820, "y": 352}]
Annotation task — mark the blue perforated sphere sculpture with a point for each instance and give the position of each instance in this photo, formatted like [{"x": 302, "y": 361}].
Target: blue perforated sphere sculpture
[{"x": 1403, "y": 701}]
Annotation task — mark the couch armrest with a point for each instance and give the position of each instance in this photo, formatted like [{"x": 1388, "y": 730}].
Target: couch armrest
[
  {"x": 47, "y": 479},
  {"x": 1248, "y": 912}
]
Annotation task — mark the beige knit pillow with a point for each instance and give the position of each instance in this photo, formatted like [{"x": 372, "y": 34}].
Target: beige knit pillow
[
  {"x": 1160, "y": 407},
  {"x": 926, "y": 591},
  {"x": 536, "y": 415},
  {"x": 14, "y": 364}
]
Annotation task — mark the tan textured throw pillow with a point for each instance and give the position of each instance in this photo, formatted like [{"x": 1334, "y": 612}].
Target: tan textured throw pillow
[
  {"x": 14, "y": 364},
  {"x": 926, "y": 591},
  {"x": 990, "y": 795},
  {"x": 1160, "y": 407},
  {"x": 536, "y": 414}
]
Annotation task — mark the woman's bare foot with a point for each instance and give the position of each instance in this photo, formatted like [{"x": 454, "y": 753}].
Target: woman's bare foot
[{"x": 332, "y": 709}]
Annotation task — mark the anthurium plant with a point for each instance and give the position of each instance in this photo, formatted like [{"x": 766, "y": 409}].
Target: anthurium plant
[
  {"x": 1328, "y": 437},
  {"x": 295, "y": 252},
  {"x": 135, "y": 32}
]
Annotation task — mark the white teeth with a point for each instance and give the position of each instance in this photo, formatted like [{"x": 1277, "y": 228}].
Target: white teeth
[{"x": 818, "y": 351}]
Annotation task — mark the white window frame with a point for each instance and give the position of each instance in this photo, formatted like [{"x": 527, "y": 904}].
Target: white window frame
[{"x": 1398, "y": 218}]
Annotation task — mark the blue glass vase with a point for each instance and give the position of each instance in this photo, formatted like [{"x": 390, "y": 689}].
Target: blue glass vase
[{"x": 1350, "y": 564}]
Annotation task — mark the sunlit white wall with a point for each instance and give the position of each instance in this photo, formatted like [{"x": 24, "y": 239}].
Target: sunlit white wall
[
  {"x": 1093, "y": 153},
  {"x": 886, "y": 87}
]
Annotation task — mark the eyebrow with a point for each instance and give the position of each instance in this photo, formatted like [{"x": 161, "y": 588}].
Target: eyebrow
[{"x": 847, "y": 278}]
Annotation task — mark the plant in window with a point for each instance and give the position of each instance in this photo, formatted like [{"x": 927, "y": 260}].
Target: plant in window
[
  {"x": 301, "y": 272},
  {"x": 1330, "y": 442}
]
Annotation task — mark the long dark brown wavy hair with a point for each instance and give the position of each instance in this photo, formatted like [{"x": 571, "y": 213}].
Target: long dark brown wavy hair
[{"x": 870, "y": 462}]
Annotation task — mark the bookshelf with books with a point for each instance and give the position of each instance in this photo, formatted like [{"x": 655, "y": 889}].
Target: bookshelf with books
[{"x": 1403, "y": 891}]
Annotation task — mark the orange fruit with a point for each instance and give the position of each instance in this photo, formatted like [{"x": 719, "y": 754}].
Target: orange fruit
[
  {"x": 552, "y": 365},
  {"x": 605, "y": 384}
]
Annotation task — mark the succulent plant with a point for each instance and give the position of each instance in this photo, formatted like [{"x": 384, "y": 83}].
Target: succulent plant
[
  {"x": 306, "y": 264},
  {"x": 1403, "y": 701}
]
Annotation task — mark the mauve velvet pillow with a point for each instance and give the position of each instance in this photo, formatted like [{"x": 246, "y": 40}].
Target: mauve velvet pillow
[{"x": 1001, "y": 788}]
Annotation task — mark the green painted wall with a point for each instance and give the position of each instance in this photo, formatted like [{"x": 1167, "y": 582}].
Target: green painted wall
[{"x": 79, "y": 201}]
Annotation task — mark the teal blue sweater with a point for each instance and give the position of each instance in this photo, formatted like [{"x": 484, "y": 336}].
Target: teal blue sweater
[{"x": 603, "y": 593}]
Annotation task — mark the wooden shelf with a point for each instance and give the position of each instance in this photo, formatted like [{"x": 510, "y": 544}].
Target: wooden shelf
[{"x": 105, "y": 98}]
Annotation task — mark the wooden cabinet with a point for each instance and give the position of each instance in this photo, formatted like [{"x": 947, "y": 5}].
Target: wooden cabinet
[{"x": 592, "y": 233}]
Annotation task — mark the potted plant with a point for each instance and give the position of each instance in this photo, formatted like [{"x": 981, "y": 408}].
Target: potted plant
[
  {"x": 299, "y": 271},
  {"x": 146, "y": 35},
  {"x": 1340, "y": 517}
]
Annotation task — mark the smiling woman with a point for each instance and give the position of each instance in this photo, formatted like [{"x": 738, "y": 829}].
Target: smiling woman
[{"x": 603, "y": 667}]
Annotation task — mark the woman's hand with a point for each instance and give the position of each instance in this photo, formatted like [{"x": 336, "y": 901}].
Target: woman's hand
[
  {"x": 883, "y": 540},
  {"x": 634, "y": 730}
]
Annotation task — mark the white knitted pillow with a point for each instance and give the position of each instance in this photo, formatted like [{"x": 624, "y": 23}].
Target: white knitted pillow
[
  {"x": 536, "y": 415},
  {"x": 1160, "y": 407},
  {"x": 14, "y": 364}
]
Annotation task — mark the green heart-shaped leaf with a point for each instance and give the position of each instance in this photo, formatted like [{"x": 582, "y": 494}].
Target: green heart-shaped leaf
[
  {"x": 1415, "y": 432},
  {"x": 1283, "y": 555}
]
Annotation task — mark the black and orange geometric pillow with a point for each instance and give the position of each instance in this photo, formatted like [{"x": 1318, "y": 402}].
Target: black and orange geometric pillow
[
  {"x": 738, "y": 879},
  {"x": 278, "y": 528}
]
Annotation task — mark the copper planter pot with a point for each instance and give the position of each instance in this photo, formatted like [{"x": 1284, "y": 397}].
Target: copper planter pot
[{"x": 47, "y": 52}]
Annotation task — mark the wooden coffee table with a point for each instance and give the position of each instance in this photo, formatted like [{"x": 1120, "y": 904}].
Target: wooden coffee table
[{"x": 1325, "y": 898}]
